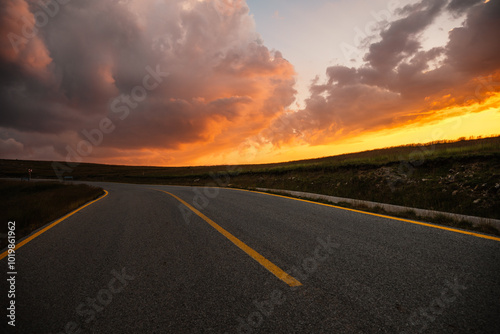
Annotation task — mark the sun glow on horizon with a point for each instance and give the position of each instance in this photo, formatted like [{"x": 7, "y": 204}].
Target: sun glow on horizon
[
  {"x": 471, "y": 121},
  {"x": 477, "y": 120}
]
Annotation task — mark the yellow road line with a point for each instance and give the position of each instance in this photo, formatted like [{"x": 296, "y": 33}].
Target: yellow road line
[
  {"x": 484, "y": 236},
  {"x": 275, "y": 270},
  {"x": 25, "y": 241}
]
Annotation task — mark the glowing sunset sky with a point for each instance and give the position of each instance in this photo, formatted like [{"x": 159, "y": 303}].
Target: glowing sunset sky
[{"x": 151, "y": 82}]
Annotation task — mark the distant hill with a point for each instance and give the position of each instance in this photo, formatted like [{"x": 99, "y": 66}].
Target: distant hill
[{"x": 454, "y": 176}]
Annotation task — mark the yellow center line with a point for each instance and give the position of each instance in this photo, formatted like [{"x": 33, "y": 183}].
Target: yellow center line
[
  {"x": 275, "y": 270},
  {"x": 484, "y": 236},
  {"x": 25, "y": 241}
]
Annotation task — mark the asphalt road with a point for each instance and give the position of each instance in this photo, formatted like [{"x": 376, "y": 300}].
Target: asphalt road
[{"x": 140, "y": 261}]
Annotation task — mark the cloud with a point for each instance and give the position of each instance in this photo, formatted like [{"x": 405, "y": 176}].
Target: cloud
[
  {"x": 474, "y": 48},
  {"x": 400, "y": 40},
  {"x": 10, "y": 147},
  {"x": 85, "y": 61},
  {"x": 461, "y": 6},
  {"x": 171, "y": 82},
  {"x": 400, "y": 81}
]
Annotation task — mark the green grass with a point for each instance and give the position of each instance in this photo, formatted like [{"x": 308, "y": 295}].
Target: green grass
[{"x": 34, "y": 204}]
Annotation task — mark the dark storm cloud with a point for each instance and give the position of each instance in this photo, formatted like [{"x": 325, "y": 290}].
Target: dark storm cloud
[
  {"x": 215, "y": 81},
  {"x": 475, "y": 47}
]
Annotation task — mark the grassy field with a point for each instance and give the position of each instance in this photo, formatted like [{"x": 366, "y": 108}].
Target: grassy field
[
  {"x": 34, "y": 204},
  {"x": 460, "y": 177}
]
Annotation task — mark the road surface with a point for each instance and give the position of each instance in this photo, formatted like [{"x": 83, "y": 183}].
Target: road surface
[{"x": 206, "y": 260}]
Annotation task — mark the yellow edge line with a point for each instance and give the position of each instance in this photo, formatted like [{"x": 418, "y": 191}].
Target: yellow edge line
[
  {"x": 275, "y": 270},
  {"x": 25, "y": 241},
  {"x": 484, "y": 236}
]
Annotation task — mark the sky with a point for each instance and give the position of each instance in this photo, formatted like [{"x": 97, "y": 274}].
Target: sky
[{"x": 204, "y": 82}]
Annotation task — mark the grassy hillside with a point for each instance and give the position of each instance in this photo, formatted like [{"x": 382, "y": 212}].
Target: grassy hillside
[{"x": 460, "y": 177}]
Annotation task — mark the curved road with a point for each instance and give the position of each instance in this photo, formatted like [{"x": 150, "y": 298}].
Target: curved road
[{"x": 141, "y": 261}]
